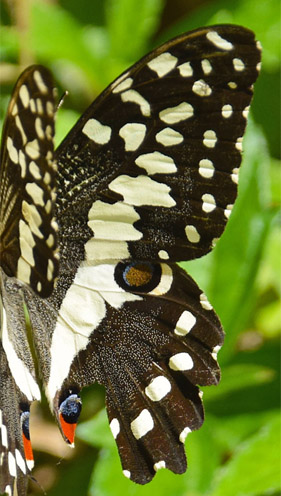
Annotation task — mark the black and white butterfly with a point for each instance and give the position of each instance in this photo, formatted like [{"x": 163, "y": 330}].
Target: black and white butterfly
[{"x": 89, "y": 238}]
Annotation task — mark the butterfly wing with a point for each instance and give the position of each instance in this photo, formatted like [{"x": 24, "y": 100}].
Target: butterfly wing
[
  {"x": 147, "y": 333},
  {"x": 148, "y": 174},
  {"x": 160, "y": 150},
  {"x": 28, "y": 256},
  {"x": 27, "y": 183}
]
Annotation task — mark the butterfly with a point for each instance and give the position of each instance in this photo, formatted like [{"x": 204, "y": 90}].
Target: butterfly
[{"x": 90, "y": 235}]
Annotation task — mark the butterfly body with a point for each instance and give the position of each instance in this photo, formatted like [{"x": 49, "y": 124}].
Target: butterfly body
[{"x": 147, "y": 177}]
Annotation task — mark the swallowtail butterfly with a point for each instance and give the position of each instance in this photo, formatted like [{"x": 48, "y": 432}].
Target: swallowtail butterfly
[{"x": 89, "y": 238}]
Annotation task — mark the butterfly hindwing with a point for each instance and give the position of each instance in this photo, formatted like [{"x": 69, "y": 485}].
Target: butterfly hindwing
[
  {"x": 18, "y": 389},
  {"x": 148, "y": 334},
  {"x": 28, "y": 248}
]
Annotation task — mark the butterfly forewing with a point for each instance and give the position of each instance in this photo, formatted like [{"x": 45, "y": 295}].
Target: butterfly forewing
[
  {"x": 146, "y": 177},
  {"x": 164, "y": 141},
  {"x": 27, "y": 183}
]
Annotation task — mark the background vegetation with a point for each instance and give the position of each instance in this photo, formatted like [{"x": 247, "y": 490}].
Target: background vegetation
[{"x": 87, "y": 43}]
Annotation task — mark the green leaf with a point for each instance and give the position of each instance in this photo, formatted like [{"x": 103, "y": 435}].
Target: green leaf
[
  {"x": 254, "y": 468},
  {"x": 130, "y": 24},
  {"x": 96, "y": 431}
]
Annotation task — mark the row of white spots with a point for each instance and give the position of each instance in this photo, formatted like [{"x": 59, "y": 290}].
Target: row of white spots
[{"x": 113, "y": 226}]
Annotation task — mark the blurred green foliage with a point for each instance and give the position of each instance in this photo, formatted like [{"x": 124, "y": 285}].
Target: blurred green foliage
[{"x": 87, "y": 44}]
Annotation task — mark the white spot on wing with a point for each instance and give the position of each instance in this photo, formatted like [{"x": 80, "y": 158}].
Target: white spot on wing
[
  {"x": 235, "y": 175},
  {"x": 181, "y": 361},
  {"x": 142, "y": 190},
  {"x": 122, "y": 84},
  {"x": 201, "y": 88},
  {"x": 32, "y": 149},
  {"x": 192, "y": 234},
  {"x": 227, "y": 111},
  {"x": 210, "y": 138},
  {"x": 238, "y": 65},
  {"x": 24, "y": 95},
  {"x": 185, "y": 323},
  {"x": 113, "y": 221},
  {"x": 184, "y": 433},
  {"x": 158, "y": 388},
  {"x": 209, "y": 203},
  {"x": 134, "y": 97},
  {"x": 97, "y": 132},
  {"x": 206, "y": 66},
  {"x": 228, "y": 210},
  {"x": 163, "y": 254},
  {"x": 218, "y": 41},
  {"x": 163, "y": 64},
  {"x": 114, "y": 427},
  {"x": 39, "y": 82},
  {"x": 156, "y": 163},
  {"x": 12, "y": 464},
  {"x": 4, "y": 435},
  {"x": 181, "y": 112},
  {"x": 239, "y": 144},
  {"x": 142, "y": 424},
  {"x": 12, "y": 151},
  {"x": 21, "y": 374},
  {"x": 185, "y": 69},
  {"x": 169, "y": 137},
  {"x": 27, "y": 244},
  {"x": 158, "y": 465},
  {"x": 20, "y": 461},
  {"x": 36, "y": 193},
  {"x": 133, "y": 135},
  {"x": 204, "y": 302},
  {"x": 245, "y": 112},
  {"x": 206, "y": 168}
]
